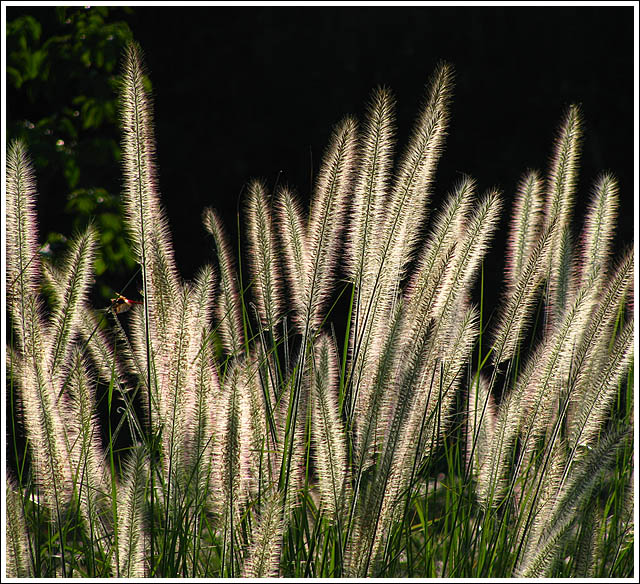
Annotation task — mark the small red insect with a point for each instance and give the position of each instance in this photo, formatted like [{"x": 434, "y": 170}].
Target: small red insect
[{"x": 122, "y": 304}]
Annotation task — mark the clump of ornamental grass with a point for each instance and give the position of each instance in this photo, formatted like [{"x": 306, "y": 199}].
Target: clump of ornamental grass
[{"x": 422, "y": 443}]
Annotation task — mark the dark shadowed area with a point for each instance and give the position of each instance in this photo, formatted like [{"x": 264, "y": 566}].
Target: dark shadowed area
[{"x": 253, "y": 92}]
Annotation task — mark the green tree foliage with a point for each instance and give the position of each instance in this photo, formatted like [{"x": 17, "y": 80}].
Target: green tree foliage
[{"x": 62, "y": 67}]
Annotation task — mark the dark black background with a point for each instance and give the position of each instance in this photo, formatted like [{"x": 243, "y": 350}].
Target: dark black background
[
  {"x": 244, "y": 92},
  {"x": 253, "y": 92}
]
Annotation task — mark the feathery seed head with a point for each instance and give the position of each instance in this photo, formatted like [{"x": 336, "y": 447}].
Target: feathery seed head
[
  {"x": 263, "y": 256},
  {"x": 296, "y": 251},
  {"x": 326, "y": 218},
  {"x": 561, "y": 184},
  {"x": 525, "y": 225},
  {"x": 599, "y": 229},
  {"x": 371, "y": 185},
  {"x": 229, "y": 309}
]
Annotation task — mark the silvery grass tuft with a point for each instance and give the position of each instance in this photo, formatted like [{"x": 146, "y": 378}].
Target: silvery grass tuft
[{"x": 426, "y": 442}]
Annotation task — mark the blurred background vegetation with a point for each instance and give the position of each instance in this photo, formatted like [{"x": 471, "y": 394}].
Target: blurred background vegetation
[{"x": 62, "y": 67}]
